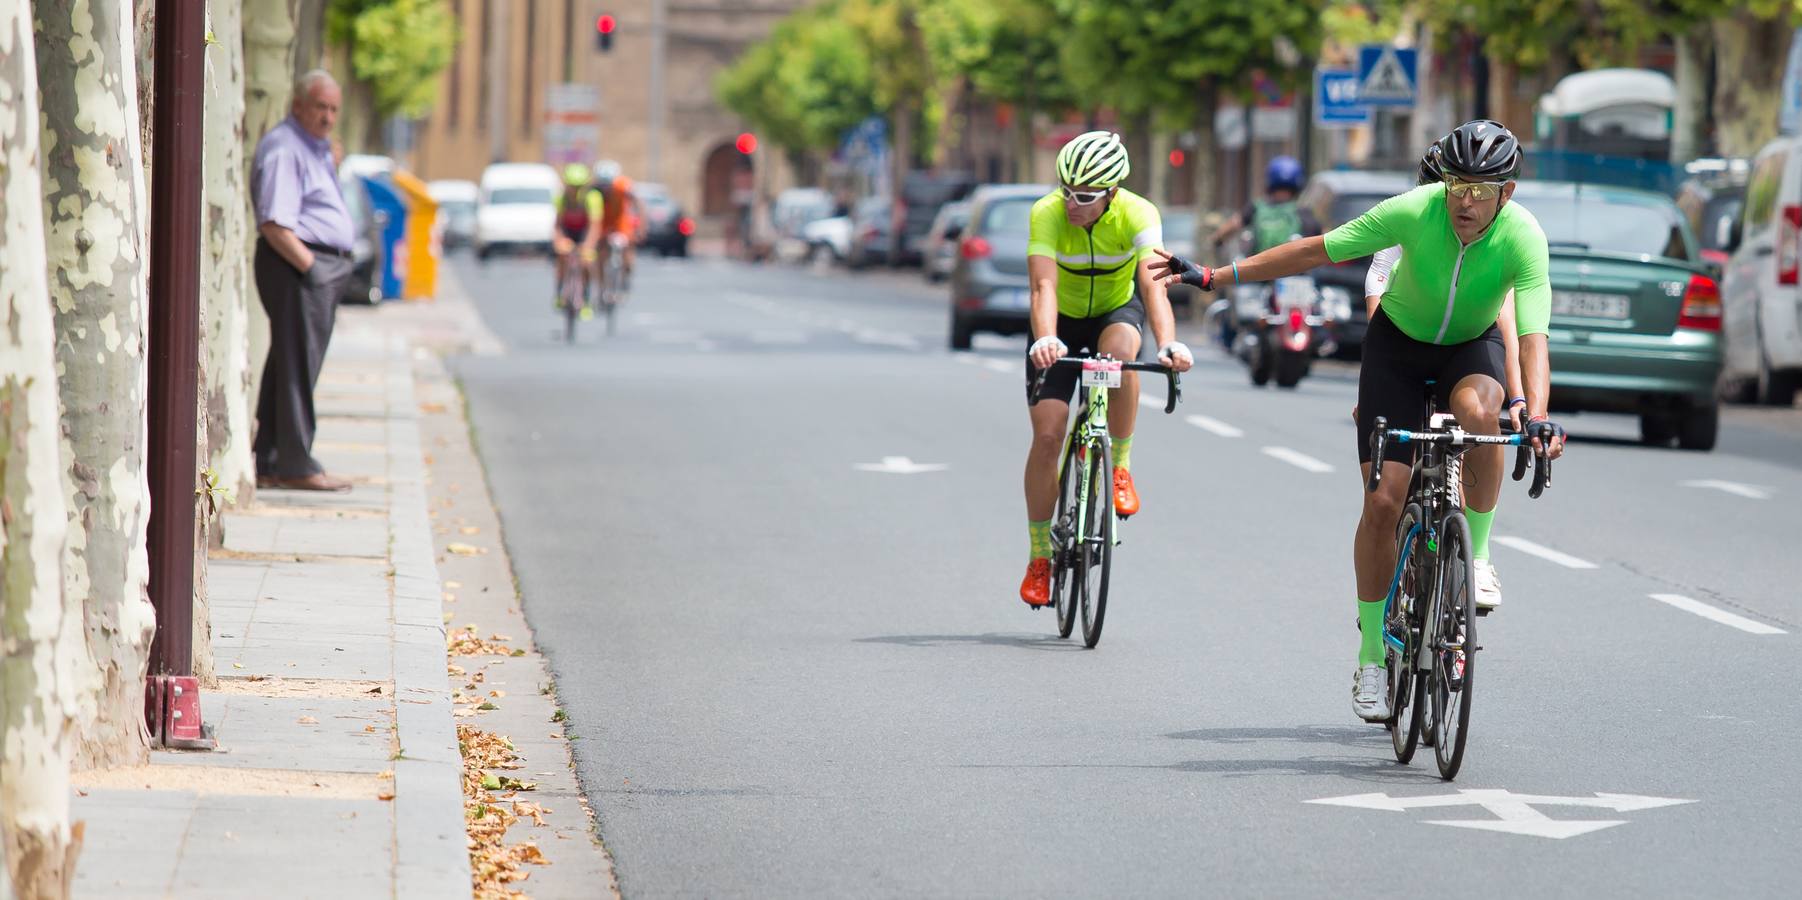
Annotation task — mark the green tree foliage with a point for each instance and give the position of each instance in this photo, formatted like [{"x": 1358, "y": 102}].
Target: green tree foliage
[
  {"x": 397, "y": 47},
  {"x": 806, "y": 84}
]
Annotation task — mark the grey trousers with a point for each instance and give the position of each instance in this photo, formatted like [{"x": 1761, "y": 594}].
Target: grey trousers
[{"x": 302, "y": 309}]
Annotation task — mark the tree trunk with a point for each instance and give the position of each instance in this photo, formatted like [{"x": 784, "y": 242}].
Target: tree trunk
[
  {"x": 1749, "y": 53},
  {"x": 1689, "y": 131},
  {"x": 268, "y": 82},
  {"x": 1024, "y": 170},
  {"x": 1204, "y": 160},
  {"x": 308, "y": 17},
  {"x": 1138, "y": 150},
  {"x": 95, "y": 235},
  {"x": 144, "y": 19},
  {"x": 43, "y": 664},
  {"x": 224, "y": 275}
]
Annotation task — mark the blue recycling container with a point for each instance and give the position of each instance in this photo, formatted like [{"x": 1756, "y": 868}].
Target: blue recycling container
[{"x": 390, "y": 211}]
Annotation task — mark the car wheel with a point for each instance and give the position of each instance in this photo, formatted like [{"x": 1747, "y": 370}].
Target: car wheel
[
  {"x": 1775, "y": 388},
  {"x": 961, "y": 332},
  {"x": 1656, "y": 428},
  {"x": 1701, "y": 426},
  {"x": 483, "y": 252}
]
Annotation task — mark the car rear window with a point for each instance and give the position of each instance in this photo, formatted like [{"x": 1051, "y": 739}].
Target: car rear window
[
  {"x": 1009, "y": 216},
  {"x": 505, "y": 196},
  {"x": 1590, "y": 221}
]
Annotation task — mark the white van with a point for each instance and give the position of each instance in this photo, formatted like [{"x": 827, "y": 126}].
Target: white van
[
  {"x": 1761, "y": 299},
  {"x": 515, "y": 208}
]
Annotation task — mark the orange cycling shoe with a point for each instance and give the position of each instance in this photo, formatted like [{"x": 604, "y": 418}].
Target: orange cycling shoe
[
  {"x": 1126, "y": 499},
  {"x": 1035, "y": 589}
]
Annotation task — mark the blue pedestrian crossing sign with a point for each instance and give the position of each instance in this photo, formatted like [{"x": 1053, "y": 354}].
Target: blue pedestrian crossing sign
[
  {"x": 1336, "y": 99},
  {"x": 1386, "y": 75}
]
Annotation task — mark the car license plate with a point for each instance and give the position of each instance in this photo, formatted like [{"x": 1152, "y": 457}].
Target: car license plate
[
  {"x": 1011, "y": 298},
  {"x": 1587, "y": 305}
]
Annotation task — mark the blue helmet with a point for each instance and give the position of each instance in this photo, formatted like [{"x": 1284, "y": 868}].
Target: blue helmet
[{"x": 1283, "y": 172}]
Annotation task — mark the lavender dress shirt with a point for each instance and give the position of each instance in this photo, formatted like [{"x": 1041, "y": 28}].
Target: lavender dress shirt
[{"x": 294, "y": 184}]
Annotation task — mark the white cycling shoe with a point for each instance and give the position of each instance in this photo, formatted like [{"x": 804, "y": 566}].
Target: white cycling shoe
[
  {"x": 1370, "y": 693},
  {"x": 1488, "y": 588}
]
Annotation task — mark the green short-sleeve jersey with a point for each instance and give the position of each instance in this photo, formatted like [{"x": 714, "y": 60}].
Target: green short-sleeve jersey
[
  {"x": 1442, "y": 291},
  {"x": 1095, "y": 265}
]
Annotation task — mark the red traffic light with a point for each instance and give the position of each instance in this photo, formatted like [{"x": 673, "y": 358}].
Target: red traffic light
[
  {"x": 604, "y": 24},
  {"x": 747, "y": 143},
  {"x": 1177, "y": 157}
]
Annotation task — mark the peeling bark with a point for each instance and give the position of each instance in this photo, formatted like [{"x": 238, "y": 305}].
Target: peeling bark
[
  {"x": 94, "y": 210},
  {"x": 43, "y": 663},
  {"x": 268, "y": 82},
  {"x": 1749, "y": 54},
  {"x": 224, "y": 275}
]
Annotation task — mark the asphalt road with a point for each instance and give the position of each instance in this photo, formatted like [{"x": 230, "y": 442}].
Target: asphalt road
[{"x": 790, "y": 677}]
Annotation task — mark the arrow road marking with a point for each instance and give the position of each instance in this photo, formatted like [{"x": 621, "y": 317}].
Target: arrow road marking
[
  {"x": 1514, "y": 813},
  {"x": 1214, "y": 426},
  {"x": 1748, "y": 491},
  {"x": 1297, "y": 459},
  {"x": 1719, "y": 615},
  {"x": 900, "y": 465},
  {"x": 1541, "y": 551}
]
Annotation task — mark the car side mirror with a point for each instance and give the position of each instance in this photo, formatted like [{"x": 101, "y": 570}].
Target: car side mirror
[{"x": 1728, "y": 233}]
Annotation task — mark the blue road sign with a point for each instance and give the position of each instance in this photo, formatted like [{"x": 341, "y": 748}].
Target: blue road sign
[
  {"x": 1386, "y": 75},
  {"x": 1336, "y": 99}
]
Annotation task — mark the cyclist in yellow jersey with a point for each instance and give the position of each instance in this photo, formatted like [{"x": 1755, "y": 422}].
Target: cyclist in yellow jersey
[
  {"x": 579, "y": 209},
  {"x": 1090, "y": 244}
]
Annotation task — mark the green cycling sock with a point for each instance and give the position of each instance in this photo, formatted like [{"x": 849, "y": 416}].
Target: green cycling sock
[
  {"x": 1480, "y": 525},
  {"x": 1041, "y": 538},
  {"x": 1123, "y": 452},
  {"x": 1370, "y": 633}
]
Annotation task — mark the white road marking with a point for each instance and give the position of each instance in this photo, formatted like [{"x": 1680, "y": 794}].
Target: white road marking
[
  {"x": 1737, "y": 489},
  {"x": 1214, "y": 426},
  {"x": 1719, "y": 615},
  {"x": 673, "y": 337},
  {"x": 1541, "y": 551},
  {"x": 885, "y": 339},
  {"x": 1514, "y": 813},
  {"x": 1298, "y": 459},
  {"x": 778, "y": 337},
  {"x": 1000, "y": 365},
  {"x": 900, "y": 465}
]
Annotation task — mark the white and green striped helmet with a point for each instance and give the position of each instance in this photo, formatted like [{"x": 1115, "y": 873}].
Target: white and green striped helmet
[{"x": 1093, "y": 158}]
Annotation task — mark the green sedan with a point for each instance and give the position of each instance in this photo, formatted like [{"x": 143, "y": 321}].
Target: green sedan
[{"x": 1636, "y": 315}]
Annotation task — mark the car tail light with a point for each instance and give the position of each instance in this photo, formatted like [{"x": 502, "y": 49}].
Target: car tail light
[
  {"x": 1296, "y": 319},
  {"x": 1789, "y": 234},
  {"x": 685, "y": 226},
  {"x": 975, "y": 248},
  {"x": 969, "y": 303},
  {"x": 1702, "y": 305}
]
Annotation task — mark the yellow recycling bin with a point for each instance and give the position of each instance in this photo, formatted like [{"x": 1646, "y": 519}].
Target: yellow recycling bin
[{"x": 420, "y": 281}]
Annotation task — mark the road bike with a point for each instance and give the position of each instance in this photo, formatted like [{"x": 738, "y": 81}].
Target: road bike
[
  {"x": 573, "y": 290},
  {"x": 1429, "y": 614},
  {"x": 1083, "y": 530},
  {"x": 613, "y": 278}
]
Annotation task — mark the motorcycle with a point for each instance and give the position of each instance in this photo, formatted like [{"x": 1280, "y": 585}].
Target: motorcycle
[{"x": 1285, "y": 329}]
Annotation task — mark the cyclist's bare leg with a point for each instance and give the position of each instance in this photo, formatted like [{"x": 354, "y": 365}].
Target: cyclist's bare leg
[
  {"x": 1477, "y": 402},
  {"x": 1373, "y": 549},
  {"x": 1050, "y": 424},
  {"x": 1121, "y": 341}
]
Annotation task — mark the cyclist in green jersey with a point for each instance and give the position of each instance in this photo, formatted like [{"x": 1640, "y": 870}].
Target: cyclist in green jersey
[
  {"x": 579, "y": 208},
  {"x": 1463, "y": 247},
  {"x": 1088, "y": 244}
]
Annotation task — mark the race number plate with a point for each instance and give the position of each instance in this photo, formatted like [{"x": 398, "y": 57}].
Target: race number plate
[{"x": 1101, "y": 373}]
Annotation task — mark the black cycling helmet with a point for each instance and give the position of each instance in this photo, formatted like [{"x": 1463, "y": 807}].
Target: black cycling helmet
[
  {"x": 1480, "y": 150},
  {"x": 1430, "y": 170}
]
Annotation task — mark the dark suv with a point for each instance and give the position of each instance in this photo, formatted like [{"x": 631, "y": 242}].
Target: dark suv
[
  {"x": 1335, "y": 198},
  {"x": 922, "y": 193}
]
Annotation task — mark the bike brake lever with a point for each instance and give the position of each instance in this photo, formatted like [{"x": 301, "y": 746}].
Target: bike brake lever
[
  {"x": 1542, "y": 475},
  {"x": 1521, "y": 458}
]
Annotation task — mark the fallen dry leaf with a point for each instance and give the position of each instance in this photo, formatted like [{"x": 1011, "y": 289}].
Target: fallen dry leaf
[
  {"x": 431, "y": 407},
  {"x": 237, "y": 665},
  {"x": 470, "y": 529},
  {"x": 369, "y": 729},
  {"x": 453, "y": 584},
  {"x": 462, "y": 549},
  {"x": 308, "y": 720},
  {"x": 384, "y": 794}
]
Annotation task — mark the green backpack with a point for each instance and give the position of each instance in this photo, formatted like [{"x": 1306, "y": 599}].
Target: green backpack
[{"x": 1274, "y": 223}]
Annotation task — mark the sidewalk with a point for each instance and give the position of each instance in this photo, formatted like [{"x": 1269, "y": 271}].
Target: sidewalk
[{"x": 337, "y": 773}]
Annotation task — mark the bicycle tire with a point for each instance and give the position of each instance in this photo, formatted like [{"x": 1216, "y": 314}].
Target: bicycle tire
[
  {"x": 571, "y": 288},
  {"x": 1066, "y": 562},
  {"x": 1097, "y": 541},
  {"x": 1407, "y": 692},
  {"x": 1453, "y": 614}
]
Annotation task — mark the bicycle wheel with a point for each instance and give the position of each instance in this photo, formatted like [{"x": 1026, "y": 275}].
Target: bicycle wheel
[
  {"x": 616, "y": 287},
  {"x": 1406, "y": 690},
  {"x": 1066, "y": 561},
  {"x": 1454, "y": 646},
  {"x": 572, "y": 305},
  {"x": 1097, "y": 540}
]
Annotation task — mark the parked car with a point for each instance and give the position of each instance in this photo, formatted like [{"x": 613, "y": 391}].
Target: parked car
[
  {"x": 1713, "y": 198},
  {"x": 922, "y": 194},
  {"x": 869, "y": 232},
  {"x": 989, "y": 290},
  {"x": 1762, "y": 297},
  {"x": 666, "y": 229},
  {"x": 1636, "y": 317},
  {"x": 828, "y": 239},
  {"x": 941, "y": 241},
  {"x": 796, "y": 207},
  {"x": 360, "y": 286},
  {"x": 1337, "y": 197},
  {"x": 515, "y": 208},
  {"x": 1179, "y": 240},
  {"x": 456, "y": 210}
]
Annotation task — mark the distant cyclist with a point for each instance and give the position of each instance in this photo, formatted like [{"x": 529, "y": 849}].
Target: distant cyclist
[
  {"x": 1090, "y": 244},
  {"x": 579, "y": 209},
  {"x": 1278, "y": 217},
  {"x": 623, "y": 215},
  {"x": 1464, "y": 247}
]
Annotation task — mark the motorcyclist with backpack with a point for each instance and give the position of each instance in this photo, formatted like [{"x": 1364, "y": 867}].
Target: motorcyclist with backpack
[{"x": 1277, "y": 218}]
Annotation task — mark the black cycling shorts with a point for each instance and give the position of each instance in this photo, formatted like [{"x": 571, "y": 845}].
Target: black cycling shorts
[
  {"x": 1392, "y": 380},
  {"x": 1081, "y": 336}
]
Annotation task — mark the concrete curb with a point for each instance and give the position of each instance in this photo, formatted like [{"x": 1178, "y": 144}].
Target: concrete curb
[{"x": 430, "y": 844}]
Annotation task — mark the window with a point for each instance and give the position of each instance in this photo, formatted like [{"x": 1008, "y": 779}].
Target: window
[
  {"x": 1009, "y": 217},
  {"x": 1610, "y": 224},
  {"x": 1761, "y": 193}
]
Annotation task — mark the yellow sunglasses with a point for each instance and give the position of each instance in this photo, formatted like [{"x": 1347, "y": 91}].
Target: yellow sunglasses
[{"x": 1476, "y": 190}]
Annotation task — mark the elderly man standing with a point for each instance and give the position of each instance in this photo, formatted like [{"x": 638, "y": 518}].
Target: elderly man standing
[{"x": 303, "y": 256}]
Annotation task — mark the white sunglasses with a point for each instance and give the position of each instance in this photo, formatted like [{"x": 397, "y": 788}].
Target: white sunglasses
[{"x": 1083, "y": 198}]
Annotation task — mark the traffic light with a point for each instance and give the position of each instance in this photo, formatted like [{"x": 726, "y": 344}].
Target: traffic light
[
  {"x": 747, "y": 143},
  {"x": 603, "y": 33}
]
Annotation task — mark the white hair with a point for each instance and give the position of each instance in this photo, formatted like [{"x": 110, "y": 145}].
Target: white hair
[{"x": 312, "y": 79}]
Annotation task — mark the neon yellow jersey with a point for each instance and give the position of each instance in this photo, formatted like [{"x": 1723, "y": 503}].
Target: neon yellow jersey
[
  {"x": 591, "y": 199},
  {"x": 1095, "y": 265}
]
